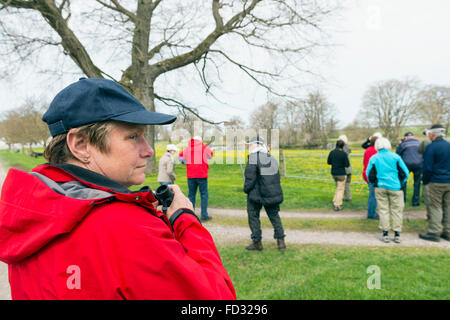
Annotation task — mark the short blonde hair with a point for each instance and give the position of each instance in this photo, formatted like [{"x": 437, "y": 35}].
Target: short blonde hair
[
  {"x": 382, "y": 143},
  {"x": 96, "y": 133}
]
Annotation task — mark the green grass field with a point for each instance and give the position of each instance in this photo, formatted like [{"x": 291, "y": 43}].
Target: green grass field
[
  {"x": 333, "y": 272},
  {"x": 225, "y": 182}
]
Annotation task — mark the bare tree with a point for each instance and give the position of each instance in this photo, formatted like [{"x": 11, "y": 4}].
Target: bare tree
[
  {"x": 390, "y": 104},
  {"x": 317, "y": 118},
  {"x": 235, "y": 122},
  {"x": 189, "y": 122},
  {"x": 290, "y": 124},
  {"x": 266, "y": 118},
  {"x": 158, "y": 37},
  {"x": 358, "y": 130},
  {"x": 434, "y": 105},
  {"x": 24, "y": 125},
  {"x": 10, "y": 131}
]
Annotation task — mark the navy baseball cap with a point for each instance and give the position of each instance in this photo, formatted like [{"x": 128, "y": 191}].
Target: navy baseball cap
[{"x": 92, "y": 100}]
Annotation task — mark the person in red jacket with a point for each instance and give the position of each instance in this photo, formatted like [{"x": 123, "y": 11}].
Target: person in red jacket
[
  {"x": 372, "y": 202},
  {"x": 196, "y": 156},
  {"x": 72, "y": 228}
]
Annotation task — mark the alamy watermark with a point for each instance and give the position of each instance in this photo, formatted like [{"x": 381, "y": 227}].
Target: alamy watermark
[
  {"x": 374, "y": 280},
  {"x": 230, "y": 147},
  {"x": 74, "y": 280}
]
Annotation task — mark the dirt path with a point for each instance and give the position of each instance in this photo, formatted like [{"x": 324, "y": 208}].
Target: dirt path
[
  {"x": 235, "y": 235},
  {"x": 309, "y": 214}
]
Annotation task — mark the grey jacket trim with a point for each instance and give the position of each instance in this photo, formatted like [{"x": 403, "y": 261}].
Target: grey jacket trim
[{"x": 73, "y": 189}]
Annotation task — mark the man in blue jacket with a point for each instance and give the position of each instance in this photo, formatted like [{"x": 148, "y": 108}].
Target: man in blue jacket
[
  {"x": 408, "y": 150},
  {"x": 436, "y": 175}
]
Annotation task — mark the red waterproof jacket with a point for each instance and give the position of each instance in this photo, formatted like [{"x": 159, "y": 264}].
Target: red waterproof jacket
[
  {"x": 196, "y": 156},
  {"x": 69, "y": 233},
  {"x": 370, "y": 151}
]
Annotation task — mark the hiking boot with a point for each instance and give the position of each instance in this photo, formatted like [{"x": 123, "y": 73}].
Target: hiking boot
[
  {"x": 205, "y": 219},
  {"x": 336, "y": 208},
  {"x": 397, "y": 239},
  {"x": 281, "y": 245},
  {"x": 429, "y": 237},
  {"x": 445, "y": 236},
  {"x": 385, "y": 237},
  {"x": 255, "y": 246}
]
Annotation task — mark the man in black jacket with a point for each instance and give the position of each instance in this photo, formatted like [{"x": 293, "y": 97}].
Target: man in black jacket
[{"x": 263, "y": 188}]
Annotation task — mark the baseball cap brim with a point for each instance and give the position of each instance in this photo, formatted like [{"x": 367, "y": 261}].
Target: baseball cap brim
[{"x": 145, "y": 117}]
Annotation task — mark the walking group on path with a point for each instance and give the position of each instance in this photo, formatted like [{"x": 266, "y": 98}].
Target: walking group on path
[{"x": 386, "y": 174}]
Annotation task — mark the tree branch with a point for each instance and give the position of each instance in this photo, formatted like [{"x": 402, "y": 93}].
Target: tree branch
[
  {"x": 21, "y": 4},
  {"x": 71, "y": 44},
  {"x": 195, "y": 54},
  {"x": 217, "y": 18},
  {"x": 175, "y": 103},
  {"x": 119, "y": 8}
]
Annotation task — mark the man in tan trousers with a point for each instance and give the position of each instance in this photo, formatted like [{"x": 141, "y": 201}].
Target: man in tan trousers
[
  {"x": 436, "y": 177},
  {"x": 338, "y": 160}
]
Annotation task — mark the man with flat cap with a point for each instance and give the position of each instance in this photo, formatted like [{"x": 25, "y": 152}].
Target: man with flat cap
[
  {"x": 263, "y": 188},
  {"x": 436, "y": 175}
]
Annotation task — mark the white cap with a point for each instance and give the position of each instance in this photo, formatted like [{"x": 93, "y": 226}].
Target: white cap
[
  {"x": 377, "y": 134},
  {"x": 171, "y": 147},
  {"x": 343, "y": 138}
]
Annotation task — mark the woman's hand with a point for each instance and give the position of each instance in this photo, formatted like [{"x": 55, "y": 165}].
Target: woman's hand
[{"x": 179, "y": 201}]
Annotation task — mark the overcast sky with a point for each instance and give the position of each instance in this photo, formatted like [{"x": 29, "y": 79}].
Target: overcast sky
[{"x": 378, "y": 40}]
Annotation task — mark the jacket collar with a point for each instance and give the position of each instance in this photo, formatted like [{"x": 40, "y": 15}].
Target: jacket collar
[{"x": 67, "y": 172}]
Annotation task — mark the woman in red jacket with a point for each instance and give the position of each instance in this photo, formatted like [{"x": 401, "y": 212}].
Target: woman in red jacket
[
  {"x": 372, "y": 202},
  {"x": 73, "y": 230}
]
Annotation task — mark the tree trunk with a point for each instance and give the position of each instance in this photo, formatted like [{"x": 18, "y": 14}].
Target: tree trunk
[{"x": 144, "y": 92}]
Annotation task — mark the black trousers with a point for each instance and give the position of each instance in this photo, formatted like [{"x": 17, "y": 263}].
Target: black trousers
[
  {"x": 253, "y": 210},
  {"x": 417, "y": 179}
]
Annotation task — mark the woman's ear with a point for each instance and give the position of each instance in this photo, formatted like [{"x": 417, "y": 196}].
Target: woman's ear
[{"x": 78, "y": 145}]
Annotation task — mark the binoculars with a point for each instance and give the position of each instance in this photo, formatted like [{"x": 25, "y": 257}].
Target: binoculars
[{"x": 164, "y": 196}]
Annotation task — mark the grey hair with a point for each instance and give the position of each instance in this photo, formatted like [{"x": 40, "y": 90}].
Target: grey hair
[
  {"x": 382, "y": 143},
  {"x": 438, "y": 132}
]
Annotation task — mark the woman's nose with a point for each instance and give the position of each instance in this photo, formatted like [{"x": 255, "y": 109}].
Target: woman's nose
[{"x": 146, "y": 150}]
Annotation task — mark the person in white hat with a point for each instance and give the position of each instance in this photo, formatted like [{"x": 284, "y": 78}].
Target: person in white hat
[
  {"x": 263, "y": 188},
  {"x": 166, "y": 173},
  {"x": 366, "y": 143}
]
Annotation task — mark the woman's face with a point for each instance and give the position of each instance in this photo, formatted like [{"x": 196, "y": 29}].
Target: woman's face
[{"x": 126, "y": 160}]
